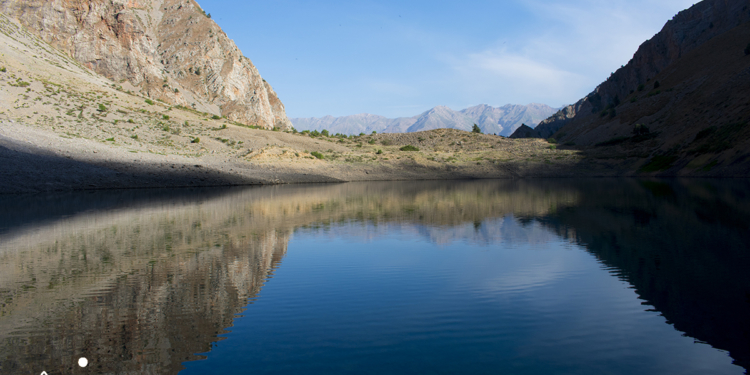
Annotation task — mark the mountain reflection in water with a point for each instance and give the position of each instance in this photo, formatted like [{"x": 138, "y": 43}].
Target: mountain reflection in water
[{"x": 143, "y": 280}]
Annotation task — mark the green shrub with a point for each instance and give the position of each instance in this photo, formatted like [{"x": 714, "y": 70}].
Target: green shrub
[
  {"x": 553, "y": 147},
  {"x": 640, "y": 129},
  {"x": 374, "y": 132},
  {"x": 149, "y": 102},
  {"x": 324, "y": 133},
  {"x": 386, "y": 142},
  {"x": 705, "y": 133},
  {"x": 380, "y": 152},
  {"x": 476, "y": 129},
  {"x": 215, "y": 117},
  {"x": 659, "y": 163},
  {"x": 130, "y": 121},
  {"x": 314, "y": 133},
  {"x": 3, "y": 70},
  {"x": 409, "y": 148},
  {"x": 641, "y": 87},
  {"x": 656, "y": 85},
  {"x": 176, "y": 91},
  {"x": 372, "y": 141},
  {"x": 102, "y": 108},
  {"x": 195, "y": 140},
  {"x": 551, "y": 140},
  {"x": 317, "y": 155},
  {"x": 110, "y": 139},
  {"x": 361, "y": 134},
  {"x": 134, "y": 136}
]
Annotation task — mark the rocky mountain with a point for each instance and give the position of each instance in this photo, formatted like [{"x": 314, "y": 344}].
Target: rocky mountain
[
  {"x": 679, "y": 106},
  {"x": 495, "y": 120},
  {"x": 168, "y": 50}
]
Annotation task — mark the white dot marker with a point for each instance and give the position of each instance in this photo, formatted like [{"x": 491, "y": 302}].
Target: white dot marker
[{"x": 83, "y": 362}]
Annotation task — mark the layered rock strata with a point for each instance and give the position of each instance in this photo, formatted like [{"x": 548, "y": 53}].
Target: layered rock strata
[{"x": 168, "y": 50}]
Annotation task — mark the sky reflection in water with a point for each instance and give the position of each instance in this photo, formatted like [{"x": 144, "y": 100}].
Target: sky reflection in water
[{"x": 433, "y": 277}]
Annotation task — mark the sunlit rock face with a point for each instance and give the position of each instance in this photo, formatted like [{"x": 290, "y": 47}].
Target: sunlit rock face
[{"x": 167, "y": 49}]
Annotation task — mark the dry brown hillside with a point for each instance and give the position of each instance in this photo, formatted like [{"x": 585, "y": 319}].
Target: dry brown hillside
[{"x": 679, "y": 107}]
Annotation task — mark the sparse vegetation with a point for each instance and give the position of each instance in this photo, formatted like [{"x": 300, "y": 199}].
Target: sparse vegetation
[
  {"x": 409, "y": 148},
  {"x": 317, "y": 155}
]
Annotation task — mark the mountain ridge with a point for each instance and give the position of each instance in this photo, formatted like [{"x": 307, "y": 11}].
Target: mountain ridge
[{"x": 491, "y": 120}]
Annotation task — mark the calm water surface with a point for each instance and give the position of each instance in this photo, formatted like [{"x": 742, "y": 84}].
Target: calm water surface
[{"x": 479, "y": 277}]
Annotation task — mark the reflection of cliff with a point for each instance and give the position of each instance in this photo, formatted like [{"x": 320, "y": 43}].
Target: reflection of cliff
[
  {"x": 138, "y": 291},
  {"x": 683, "y": 246},
  {"x": 140, "y": 285}
]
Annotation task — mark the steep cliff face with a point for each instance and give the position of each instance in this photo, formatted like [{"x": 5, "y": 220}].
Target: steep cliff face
[
  {"x": 679, "y": 107},
  {"x": 688, "y": 30},
  {"x": 167, "y": 49}
]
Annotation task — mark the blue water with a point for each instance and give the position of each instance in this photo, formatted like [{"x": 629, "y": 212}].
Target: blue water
[
  {"x": 619, "y": 276},
  {"x": 398, "y": 303}
]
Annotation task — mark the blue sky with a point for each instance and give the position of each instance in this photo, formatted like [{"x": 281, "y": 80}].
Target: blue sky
[{"x": 397, "y": 58}]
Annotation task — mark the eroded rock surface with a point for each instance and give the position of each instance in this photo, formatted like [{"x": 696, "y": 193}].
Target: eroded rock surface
[{"x": 167, "y": 49}]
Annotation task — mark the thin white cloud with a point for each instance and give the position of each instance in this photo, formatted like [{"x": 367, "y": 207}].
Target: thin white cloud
[{"x": 582, "y": 42}]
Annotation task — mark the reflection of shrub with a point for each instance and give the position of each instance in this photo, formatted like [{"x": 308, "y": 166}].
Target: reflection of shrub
[
  {"x": 409, "y": 148},
  {"x": 317, "y": 155}
]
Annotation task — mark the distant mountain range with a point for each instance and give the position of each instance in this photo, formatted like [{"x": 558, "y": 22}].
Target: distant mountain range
[{"x": 496, "y": 120}]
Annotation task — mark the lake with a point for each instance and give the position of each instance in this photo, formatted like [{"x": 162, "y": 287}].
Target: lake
[{"x": 592, "y": 276}]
